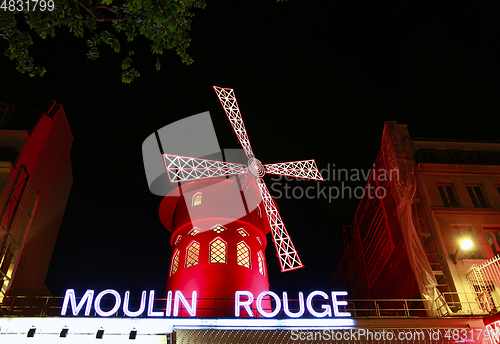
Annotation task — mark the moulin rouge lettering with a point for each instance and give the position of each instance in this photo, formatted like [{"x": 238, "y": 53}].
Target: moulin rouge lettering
[{"x": 242, "y": 304}]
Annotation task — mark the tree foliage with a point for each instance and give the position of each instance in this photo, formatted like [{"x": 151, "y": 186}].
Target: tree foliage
[{"x": 116, "y": 23}]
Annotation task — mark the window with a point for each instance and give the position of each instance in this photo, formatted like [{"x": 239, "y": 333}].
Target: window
[
  {"x": 196, "y": 199},
  {"x": 193, "y": 252},
  {"x": 194, "y": 231},
  {"x": 218, "y": 251},
  {"x": 259, "y": 211},
  {"x": 478, "y": 197},
  {"x": 175, "y": 262},
  {"x": 242, "y": 232},
  {"x": 260, "y": 258},
  {"x": 493, "y": 236},
  {"x": 178, "y": 239},
  {"x": 243, "y": 254},
  {"x": 218, "y": 229},
  {"x": 448, "y": 195},
  {"x": 462, "y": 233}
]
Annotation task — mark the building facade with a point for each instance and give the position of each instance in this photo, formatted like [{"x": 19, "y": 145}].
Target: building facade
[
  {"x": 432, "y": 195},
  {"x": 35, "y": 182}
]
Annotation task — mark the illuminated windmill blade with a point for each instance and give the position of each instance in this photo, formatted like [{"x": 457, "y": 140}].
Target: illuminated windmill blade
[
  {"x": 181, "y": 169},
  {"x": 288, "y": 257},
  {"x": 299, "y": 169},
  {"x": 228, "y": 101}
]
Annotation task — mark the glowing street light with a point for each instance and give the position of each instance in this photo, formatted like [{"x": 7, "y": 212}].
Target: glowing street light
[{"x": 465, "y": 245}]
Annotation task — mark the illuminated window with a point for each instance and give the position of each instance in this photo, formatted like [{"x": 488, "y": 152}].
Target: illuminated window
[
  {"x": 493, "y": 235},
  {"x": 193, "y": 252},
  {"x": 178, "y": 239},
  {"x": 466, "y": 232},
  {"x": 478, "y": 196},
  {"x": 243, "y": 254},
  {"x": 260, "y": 258},
  {"x": 242, "y": 232},
  {"x": 448, "y": 195},
  {"x": 196, "y": 199},
  {"x": 218, "y": 229},
  {"x": 194, "y": 231},
  {"x": 258, "y": 239},
  {"x": 175, "y": 262},
  {"x": 218, "y": 251}
]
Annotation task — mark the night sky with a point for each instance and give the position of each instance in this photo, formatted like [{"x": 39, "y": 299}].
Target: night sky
[{"x": 314, "y": 79}]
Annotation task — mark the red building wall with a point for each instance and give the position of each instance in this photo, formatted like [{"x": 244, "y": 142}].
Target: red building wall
[{"x": 45, "y": 156}]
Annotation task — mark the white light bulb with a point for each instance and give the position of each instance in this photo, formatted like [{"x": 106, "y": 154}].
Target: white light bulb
[{"x": 466, "y": 244}]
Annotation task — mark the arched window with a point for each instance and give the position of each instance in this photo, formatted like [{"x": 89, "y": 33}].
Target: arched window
[
  {"x": 196, "y": 199},
  {"x": 218, "y": 251},
  {"x": 179, "y": 237},
  {"x": 175, "y": 262},
  {"x": 262, "y": 268},
  {"x": 242, "y": 232},
  {"x": 192, "y": 254},
  {"x": 243, "y": 254},
  {"x": 194, "y": 231}
]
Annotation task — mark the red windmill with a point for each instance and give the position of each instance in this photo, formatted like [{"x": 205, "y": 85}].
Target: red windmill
[{"x": 217, "y": 248}]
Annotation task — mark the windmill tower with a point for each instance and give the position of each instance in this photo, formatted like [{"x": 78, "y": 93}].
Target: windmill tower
[{"x": 219, "y": 212}]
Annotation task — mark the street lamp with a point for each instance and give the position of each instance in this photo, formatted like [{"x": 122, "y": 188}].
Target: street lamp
[{"x": 464, "y": 245}]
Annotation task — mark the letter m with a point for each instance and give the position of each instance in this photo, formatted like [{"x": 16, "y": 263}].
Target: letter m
[{"x": 69, "y": 298}]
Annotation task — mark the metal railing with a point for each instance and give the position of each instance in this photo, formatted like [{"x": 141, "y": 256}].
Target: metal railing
[
  {"x": 41, "y": 306},
  {"x": 484, "y": 280}
]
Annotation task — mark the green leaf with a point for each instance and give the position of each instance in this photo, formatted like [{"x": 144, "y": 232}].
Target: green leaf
[{"x": 165, "y": 23}]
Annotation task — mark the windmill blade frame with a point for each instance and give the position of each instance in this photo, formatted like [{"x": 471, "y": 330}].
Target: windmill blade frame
[
  {"x": 230, "y": 105},
  {"x": 287, "y": 254},
  {"x": 305, "y": 169},
  {"x": 181, "y": 169}
]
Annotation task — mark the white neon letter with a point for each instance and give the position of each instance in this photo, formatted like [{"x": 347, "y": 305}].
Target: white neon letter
[
  {"x": 126, "y": 299},
  {"x": 151, "y": 303},
  {"x": 301, "y": 306},
  {"x": 97, "y": 303},
  {"x": 327, "y": 308},
  {"x": 259, "y": 304},
  {"x": 336, "y": 303},
  {"x": 191, "y": 309},
  {"x": 169, "y": 303},
  {"x": 238, "y": 303},
  {"x": 70, "y": 298}
]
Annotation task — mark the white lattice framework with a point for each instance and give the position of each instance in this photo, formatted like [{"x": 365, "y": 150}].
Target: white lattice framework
[
  {"x": 282, "y": 241},
  {"x": 230, "y": 105},
  {"x": 185, "y": 169},
  {"x": 181, "y": 169},
  {"x": 299, "y": 169}
]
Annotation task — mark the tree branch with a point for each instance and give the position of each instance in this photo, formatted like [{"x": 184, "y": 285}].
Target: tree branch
[{"x": 100, "y": 12}]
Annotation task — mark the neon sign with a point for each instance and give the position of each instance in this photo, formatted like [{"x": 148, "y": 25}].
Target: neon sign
[{"x": 242, "y": 303}]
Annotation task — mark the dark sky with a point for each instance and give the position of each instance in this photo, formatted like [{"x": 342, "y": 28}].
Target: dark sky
[{"x": 314, "y": 79}]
